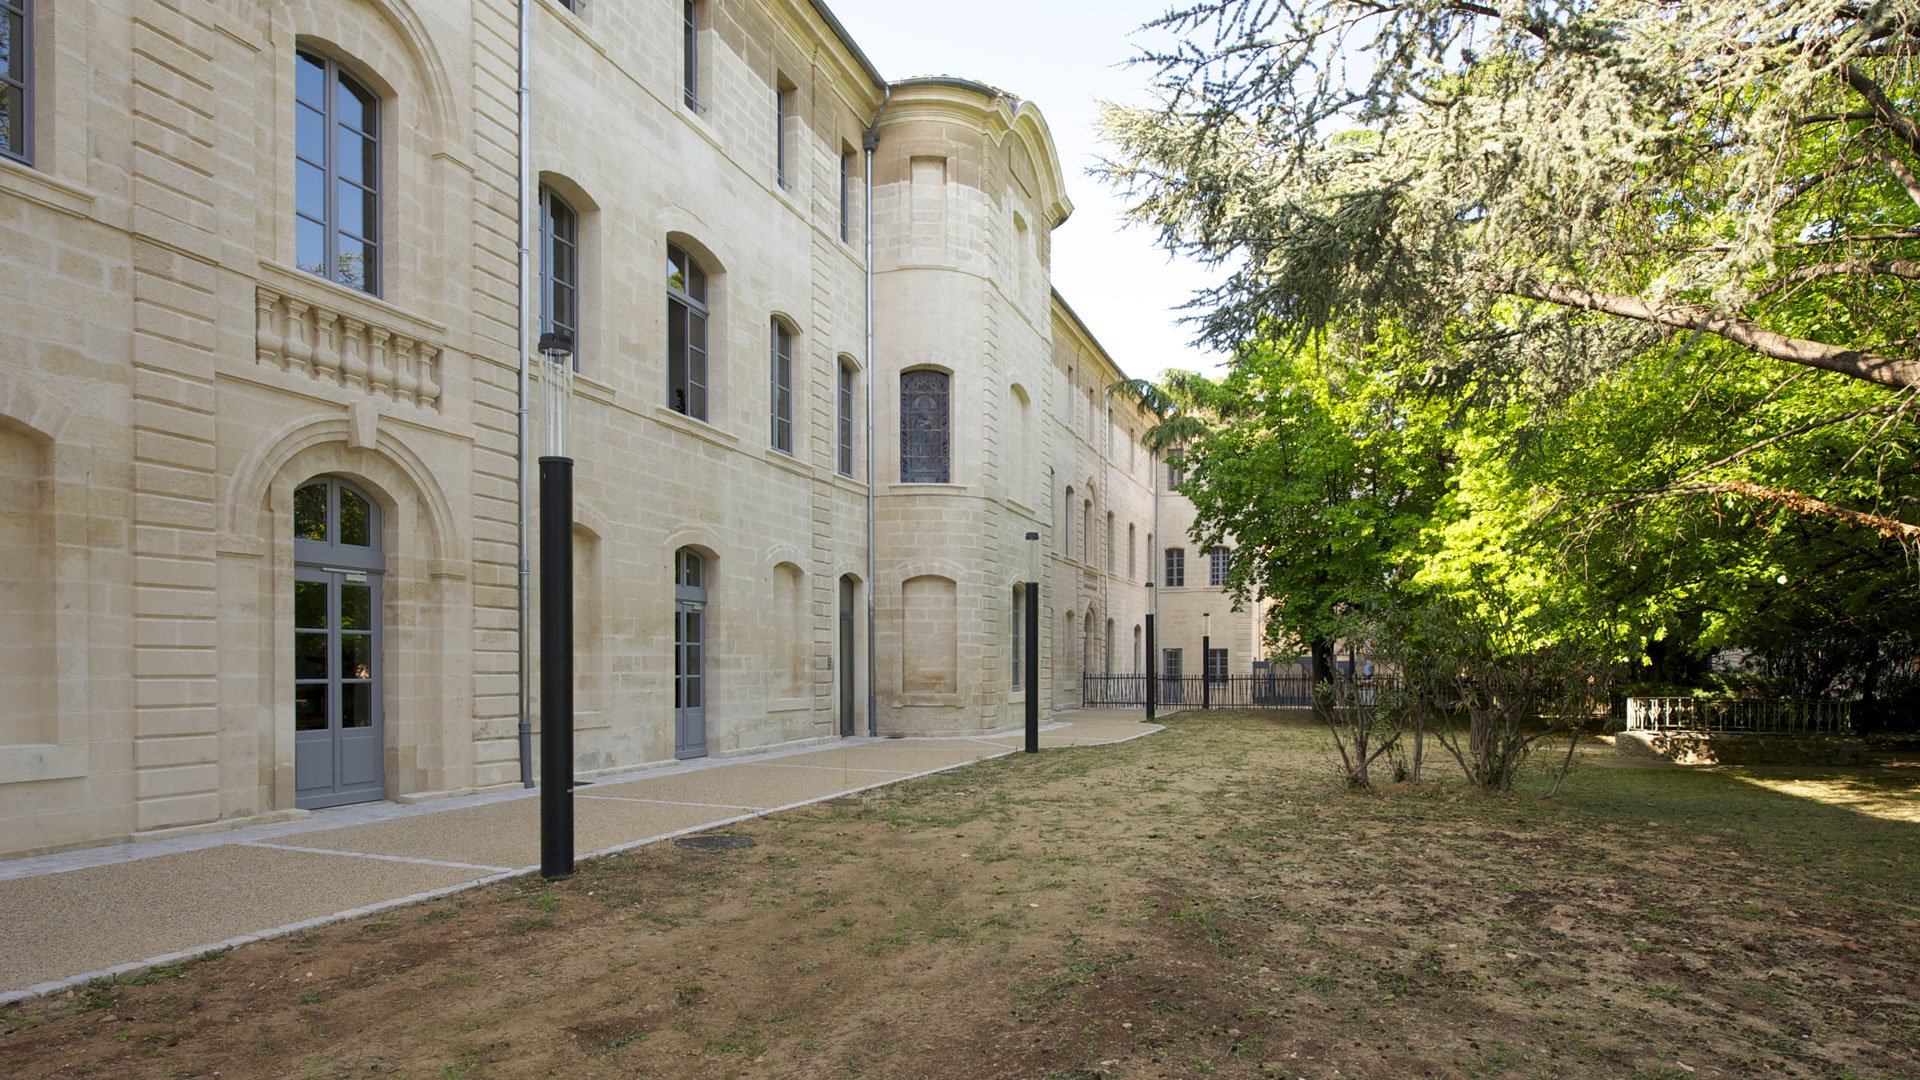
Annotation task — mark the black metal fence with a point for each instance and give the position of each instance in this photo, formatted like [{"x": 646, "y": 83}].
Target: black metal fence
[{"x": 1260, "y": 691}]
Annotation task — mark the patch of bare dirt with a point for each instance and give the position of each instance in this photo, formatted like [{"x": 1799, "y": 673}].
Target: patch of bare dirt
[{"x": 1204, "y": 902}]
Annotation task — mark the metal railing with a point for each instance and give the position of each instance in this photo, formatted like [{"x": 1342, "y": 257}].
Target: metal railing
[
  {"x": 1196, "y": 691},
  {"x": 1740, "y": 715}
]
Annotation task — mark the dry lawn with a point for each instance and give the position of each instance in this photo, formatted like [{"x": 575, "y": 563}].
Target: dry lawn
[{"x": 1202, "y": 902}]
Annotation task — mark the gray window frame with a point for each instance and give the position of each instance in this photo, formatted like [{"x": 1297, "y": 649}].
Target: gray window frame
[
  {"x": 1219, "y": 564},
  {"x": 335, "y": 78},
  {"x": 551, "y": 282},
  {"x": 846, "y": 196},
  {"x": 780, "y": 385},
  {"x": 783, "y": 100},
  {"x": 690, "y": 54},
  {"x": 844, "y": 419},
  {"x": 688, "y": 306},
  {"x": 1174, "y": 569},
  {"x": 1216, "y": 666},
  {"x": 20, "y": 89}
]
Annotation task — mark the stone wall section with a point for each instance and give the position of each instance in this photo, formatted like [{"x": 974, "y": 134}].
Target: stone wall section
[{"x": 169, "y": 378}]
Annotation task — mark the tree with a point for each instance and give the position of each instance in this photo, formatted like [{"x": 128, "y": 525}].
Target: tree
[
  {"x": 1317, "y": 465},
  {"x": 1549, "y": 185}
]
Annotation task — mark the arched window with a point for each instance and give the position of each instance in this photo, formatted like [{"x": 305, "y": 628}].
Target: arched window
[
  {"x": 686, "y": 334},
  {"x": 844, "y": 418},
  {"x": 780, "y": 387},
  {"x": 1066, "y": 527},
  {"x": 1086, "y": 531},
  {"x": 1133, "y": 563},
  {"x": 560, "y": 270},
  {"x": 336, "y": 174},
  {"x": 1110, "y": 555},
  {"x": 926, "y": 455}
]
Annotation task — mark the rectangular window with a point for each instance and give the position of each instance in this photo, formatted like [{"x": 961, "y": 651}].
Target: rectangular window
[
  {"x": 690, "y": 53},
  {"x": 781, "y": 377},
  {"x": 560, "y": 270},
  {"x": 846, "y": 195},
  {"x": 1175, "y": 476},
  {"x": 1216, "y": 665},
  {"x": 16, "y": 79},
  {"x": 1170, "y": 665},
  {"x": 1176, "y": 576},
  {"x": 783, "y": 97},
  {"x": 845, "y": 419},
  {"x": 1218, "y": 560}
]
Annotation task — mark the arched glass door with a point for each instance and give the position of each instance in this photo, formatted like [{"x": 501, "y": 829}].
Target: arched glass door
[
  {"x": 339, "y": 745},
  {"x": 689, "y": 655}
]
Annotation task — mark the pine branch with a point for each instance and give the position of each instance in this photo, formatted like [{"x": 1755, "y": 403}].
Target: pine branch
[{"x": 1856, "y": 363}]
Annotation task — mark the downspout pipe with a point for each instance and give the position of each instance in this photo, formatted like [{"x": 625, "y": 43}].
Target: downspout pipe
[
  {"x": 869, "y": 141},
  {"x": 525, "y": 348}
]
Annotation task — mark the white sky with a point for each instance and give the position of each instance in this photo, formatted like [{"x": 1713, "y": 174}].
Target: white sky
[{"x": 1062, "y": 55}]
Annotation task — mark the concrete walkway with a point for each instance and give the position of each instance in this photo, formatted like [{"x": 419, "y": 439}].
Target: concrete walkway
[{"x": 79, "y": 915}]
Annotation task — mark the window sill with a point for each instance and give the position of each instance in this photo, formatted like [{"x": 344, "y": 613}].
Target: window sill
[
  {"x": 699, "y": 429},
  {"x": 928, "y": 489},
  {"x": 19, "y": 178},
  {"x": 780, "y": 459}
]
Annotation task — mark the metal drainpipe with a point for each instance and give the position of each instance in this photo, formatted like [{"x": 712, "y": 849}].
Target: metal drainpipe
[
  {"x": 869, "y": 140},
  {"x": 526, "y": 330}
]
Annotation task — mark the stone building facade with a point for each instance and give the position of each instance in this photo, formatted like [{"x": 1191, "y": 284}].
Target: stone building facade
[{"x": 259, "y": 400}]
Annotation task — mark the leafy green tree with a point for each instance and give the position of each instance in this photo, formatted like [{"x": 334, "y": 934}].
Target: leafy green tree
[{"x": 1318, "y": 466}]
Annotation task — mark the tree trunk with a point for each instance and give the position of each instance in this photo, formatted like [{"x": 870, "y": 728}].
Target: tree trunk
[{"x": 1321, "y": 650}]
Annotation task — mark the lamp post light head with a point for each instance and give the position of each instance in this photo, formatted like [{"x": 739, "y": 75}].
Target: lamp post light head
[{"x": 556, "y": 381}]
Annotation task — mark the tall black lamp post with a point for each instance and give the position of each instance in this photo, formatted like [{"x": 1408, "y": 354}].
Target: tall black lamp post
[
  {"x": 1032, "y": 615},
  {"x": 556, "y": 610},
  {"x": 1206, "y": 660},
  {"x": 1153, "y": 656}
]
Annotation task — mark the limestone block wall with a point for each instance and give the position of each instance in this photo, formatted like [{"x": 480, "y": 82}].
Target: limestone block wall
[{"x": 170, "y": 378}]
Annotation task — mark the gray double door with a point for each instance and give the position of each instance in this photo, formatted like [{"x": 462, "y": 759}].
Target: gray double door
[{"x": 339, "y": 729}]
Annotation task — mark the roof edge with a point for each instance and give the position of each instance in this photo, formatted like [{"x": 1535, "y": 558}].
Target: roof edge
[{"x": 839, "y": 31}]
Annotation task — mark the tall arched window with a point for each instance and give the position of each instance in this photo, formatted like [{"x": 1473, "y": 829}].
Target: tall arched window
[
  {"x": 1066, "y": 527},
  {"x": 780, "y": 386},
  {"x": 844, "y": 418},
  {"x": 925, "y": 427},
  {"x": 336, "y": 178},
  {"x": 1086, "y": 531},
  {"x": 560, "y": 270},
  {"x": 686, "y": 334}
]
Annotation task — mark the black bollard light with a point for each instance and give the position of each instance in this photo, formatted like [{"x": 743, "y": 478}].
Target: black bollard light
[
  {"x": 556, "y": 612},
  {"x": 1033, "y": 644},
  {"x": 1206, "y": 660}
]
